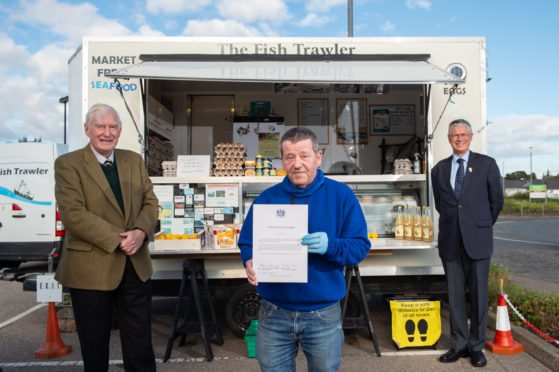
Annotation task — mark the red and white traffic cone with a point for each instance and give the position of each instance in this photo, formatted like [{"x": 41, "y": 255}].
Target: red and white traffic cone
[
  {"x": 53, "y": 346},
  {"x": 503, "y": 343}
]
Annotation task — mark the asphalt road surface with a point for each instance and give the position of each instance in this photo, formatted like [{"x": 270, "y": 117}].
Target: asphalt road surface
[{"x": 529, "y": 247}]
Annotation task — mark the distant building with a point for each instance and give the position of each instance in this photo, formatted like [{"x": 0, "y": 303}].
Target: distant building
[{"x": 523, "y": 186}]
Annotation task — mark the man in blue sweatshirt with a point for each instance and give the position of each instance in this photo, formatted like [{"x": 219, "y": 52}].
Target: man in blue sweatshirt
[{"x": 307, "y": 313}]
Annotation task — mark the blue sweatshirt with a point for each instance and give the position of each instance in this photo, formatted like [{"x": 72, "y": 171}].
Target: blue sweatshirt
[{"x": 333, "y": 209}]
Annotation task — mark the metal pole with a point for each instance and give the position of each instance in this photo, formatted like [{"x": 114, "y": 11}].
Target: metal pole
[
  {"x": 64, "y": 100},
  {"x": 504, "y": 179},
  {"x": 531, "y": 147},
  {"x": 350, "y": 18}
]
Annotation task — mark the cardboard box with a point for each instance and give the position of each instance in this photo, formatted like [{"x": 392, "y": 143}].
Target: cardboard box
[{"x": 178, "y": 244}]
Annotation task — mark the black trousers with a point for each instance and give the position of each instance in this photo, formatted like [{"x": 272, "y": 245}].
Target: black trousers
[
  {"x": 475, "y": 274},
  {"x": 93, "y": 311}
]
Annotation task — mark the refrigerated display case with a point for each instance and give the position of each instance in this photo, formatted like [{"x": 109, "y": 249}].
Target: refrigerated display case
[{"x": 379, "y": 196}]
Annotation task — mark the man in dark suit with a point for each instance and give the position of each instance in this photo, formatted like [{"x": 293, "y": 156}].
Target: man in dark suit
[
  {"x": 468, "y": 197},
  {"x": 108, "y": 207}
]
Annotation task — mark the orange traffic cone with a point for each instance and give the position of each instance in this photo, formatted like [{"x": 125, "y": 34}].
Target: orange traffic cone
[
  {"x": 53, "y": 346},
  {"x": 503, "y": 343}
]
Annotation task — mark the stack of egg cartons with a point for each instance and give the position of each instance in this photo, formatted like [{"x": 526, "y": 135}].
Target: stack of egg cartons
[
  {"x": 169, "y": 168},
  {"x": 229, "y": 159}
]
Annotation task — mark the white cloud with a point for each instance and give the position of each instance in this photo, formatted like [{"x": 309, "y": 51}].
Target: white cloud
[
  {"x": 12, "y": 55},
  {"x": 68, "y": 20},
  {"x": 146, "y": 30},
  {"x": 510, "y": 137},
  {"x": 175, "y": 6},
  {"x": 50, "y": 63},
  {"x": 313, "y": 20},
  {"x": 323, "y": 6},
  {"x": 387, "y": 26},
  {"x": 425, "y": 4},
  {"x": 219, "y": 27},
  {"x": 254, "y": 10}
]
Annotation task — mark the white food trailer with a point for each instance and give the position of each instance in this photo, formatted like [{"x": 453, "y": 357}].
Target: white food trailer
[{"x": 369, "y": 100}]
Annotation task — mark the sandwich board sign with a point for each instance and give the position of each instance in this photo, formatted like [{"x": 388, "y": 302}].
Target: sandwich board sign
[{"x": 48, "y": 289}]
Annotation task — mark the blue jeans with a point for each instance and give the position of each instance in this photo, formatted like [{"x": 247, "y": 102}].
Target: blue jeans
[{"x": 280, "y": 331}]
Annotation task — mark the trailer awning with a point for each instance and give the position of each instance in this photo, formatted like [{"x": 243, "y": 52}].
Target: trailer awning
[{"x": 404, "y": 70}]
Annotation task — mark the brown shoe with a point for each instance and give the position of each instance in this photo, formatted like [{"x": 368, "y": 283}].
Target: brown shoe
[{"x": 453, "y": 355}]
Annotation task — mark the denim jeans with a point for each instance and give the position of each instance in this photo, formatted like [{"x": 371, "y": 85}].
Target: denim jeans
[{"x": 280, "y": 331}]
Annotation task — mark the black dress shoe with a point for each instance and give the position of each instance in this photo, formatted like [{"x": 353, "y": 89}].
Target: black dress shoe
[
  {"x": 453, "y": 355},
  {"x": 478, "y": 359}
]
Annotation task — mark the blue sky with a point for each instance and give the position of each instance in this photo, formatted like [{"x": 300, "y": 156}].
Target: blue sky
[{"x": 38, "y": 36}]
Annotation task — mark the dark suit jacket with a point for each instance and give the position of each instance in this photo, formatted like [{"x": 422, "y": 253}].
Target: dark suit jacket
[
  {"x": 91, "y": 257},
  {"x": 472, "y": 217}
]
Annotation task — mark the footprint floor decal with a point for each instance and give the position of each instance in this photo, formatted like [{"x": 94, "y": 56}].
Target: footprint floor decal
[
  {"x": 422, "y": 327},
  {"x": 410, "y": 329}
]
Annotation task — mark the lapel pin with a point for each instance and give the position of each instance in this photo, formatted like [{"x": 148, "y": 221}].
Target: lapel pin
[{"x": 470, "y": 169}]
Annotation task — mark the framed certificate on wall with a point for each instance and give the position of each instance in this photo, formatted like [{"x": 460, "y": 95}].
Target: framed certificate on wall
[
  {"x": 387, "y": 120},
  {"x": 351, "y": 120},
  {"x": 312, "y": 113}
]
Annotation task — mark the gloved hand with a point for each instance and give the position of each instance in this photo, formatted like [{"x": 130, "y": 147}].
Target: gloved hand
[{"x": 317, "y": 242}]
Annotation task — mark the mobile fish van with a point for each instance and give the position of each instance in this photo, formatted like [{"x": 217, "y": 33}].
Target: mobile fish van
[
  {"x": 370, "y": 101},
  {"x": 30, "y": 227}
]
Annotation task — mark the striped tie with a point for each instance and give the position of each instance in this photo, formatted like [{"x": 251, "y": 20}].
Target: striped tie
[
  {"x": 107, "y": 163},
  {"x": 459, "y": 178}
]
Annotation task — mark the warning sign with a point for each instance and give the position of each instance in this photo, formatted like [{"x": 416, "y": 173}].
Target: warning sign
[{"x": 415, "y": 322}]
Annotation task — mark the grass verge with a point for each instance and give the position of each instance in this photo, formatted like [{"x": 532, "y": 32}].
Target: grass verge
[
  {"x": 539, "y": 308},
  {"x": 516, "y": 204}
]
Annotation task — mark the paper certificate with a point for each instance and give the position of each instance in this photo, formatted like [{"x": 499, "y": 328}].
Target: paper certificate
[{"x": 278, "y": 255}]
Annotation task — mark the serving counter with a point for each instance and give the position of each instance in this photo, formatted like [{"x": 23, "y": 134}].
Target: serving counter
[{"x": 379, "y": 196}]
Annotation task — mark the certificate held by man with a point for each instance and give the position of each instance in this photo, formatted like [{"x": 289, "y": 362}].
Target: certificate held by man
[{"x": 278, "y": 254}]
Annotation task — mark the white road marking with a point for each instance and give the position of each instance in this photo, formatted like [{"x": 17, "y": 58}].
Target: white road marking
[
  {"x": 198, "y": 360},
  {"x": 17, "y": 317},
  {"x": 524, "y": 241}
]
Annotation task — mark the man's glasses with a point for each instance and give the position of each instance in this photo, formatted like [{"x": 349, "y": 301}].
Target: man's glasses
[{"x": 460, "y": 135}]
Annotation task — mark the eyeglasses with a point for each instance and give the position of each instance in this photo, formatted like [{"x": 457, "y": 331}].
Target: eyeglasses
[
  {"x": 460, "y": 135},
  {"x": 102, "y": 128}
]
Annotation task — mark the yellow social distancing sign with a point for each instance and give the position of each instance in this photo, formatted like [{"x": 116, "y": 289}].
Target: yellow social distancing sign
[{"x": 415, "y": 322}]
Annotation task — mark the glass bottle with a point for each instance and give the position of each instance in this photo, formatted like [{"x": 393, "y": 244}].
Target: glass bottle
[
  {"x": 408, "y": 224},
  {"x": 427, "y": 226},
  {"x": 399, "y": 225},
  {"x": 417, "y": 224}
]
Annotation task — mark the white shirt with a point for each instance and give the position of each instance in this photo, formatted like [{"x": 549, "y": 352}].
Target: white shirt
[{"x": 100, "y": 158}]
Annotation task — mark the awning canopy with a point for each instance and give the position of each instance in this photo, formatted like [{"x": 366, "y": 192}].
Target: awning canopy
[{"x": 361, "y": 70}]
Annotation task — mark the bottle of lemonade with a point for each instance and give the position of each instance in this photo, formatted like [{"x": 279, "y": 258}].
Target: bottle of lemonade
[
  {"x": 427, "y": 226},
  {"x": 399, "y": 225},
  {"x": 417, "y": 224},
  {"x": 408, "y": 224}
]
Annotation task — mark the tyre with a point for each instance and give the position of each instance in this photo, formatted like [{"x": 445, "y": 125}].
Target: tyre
[
  {"x": 9, "y": 264},
  {"x": 242, "y": 308}
]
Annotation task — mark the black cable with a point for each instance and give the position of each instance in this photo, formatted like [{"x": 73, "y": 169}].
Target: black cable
[
  {"x": 119, "y": 88},
  {"x": 451, "y": 93}
]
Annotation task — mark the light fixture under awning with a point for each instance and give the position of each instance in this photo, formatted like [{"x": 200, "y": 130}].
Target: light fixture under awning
[{"x": 292, "y": 71}]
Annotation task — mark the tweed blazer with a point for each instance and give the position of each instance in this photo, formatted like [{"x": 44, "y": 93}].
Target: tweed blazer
[
  {"x": 91, "y": 257},
  {"x": 470, "y": 218}
]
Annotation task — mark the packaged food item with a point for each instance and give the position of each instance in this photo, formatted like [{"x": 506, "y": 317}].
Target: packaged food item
[{"x": 221, "y": 237}]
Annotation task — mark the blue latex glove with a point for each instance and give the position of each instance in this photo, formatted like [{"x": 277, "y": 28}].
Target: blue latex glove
[{"x": 317, "y": 242}]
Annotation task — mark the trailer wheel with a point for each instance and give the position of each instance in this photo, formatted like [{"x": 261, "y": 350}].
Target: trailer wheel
[
  {"x": 9, "y": 264},
  {"x": 242, "y": 308}
]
